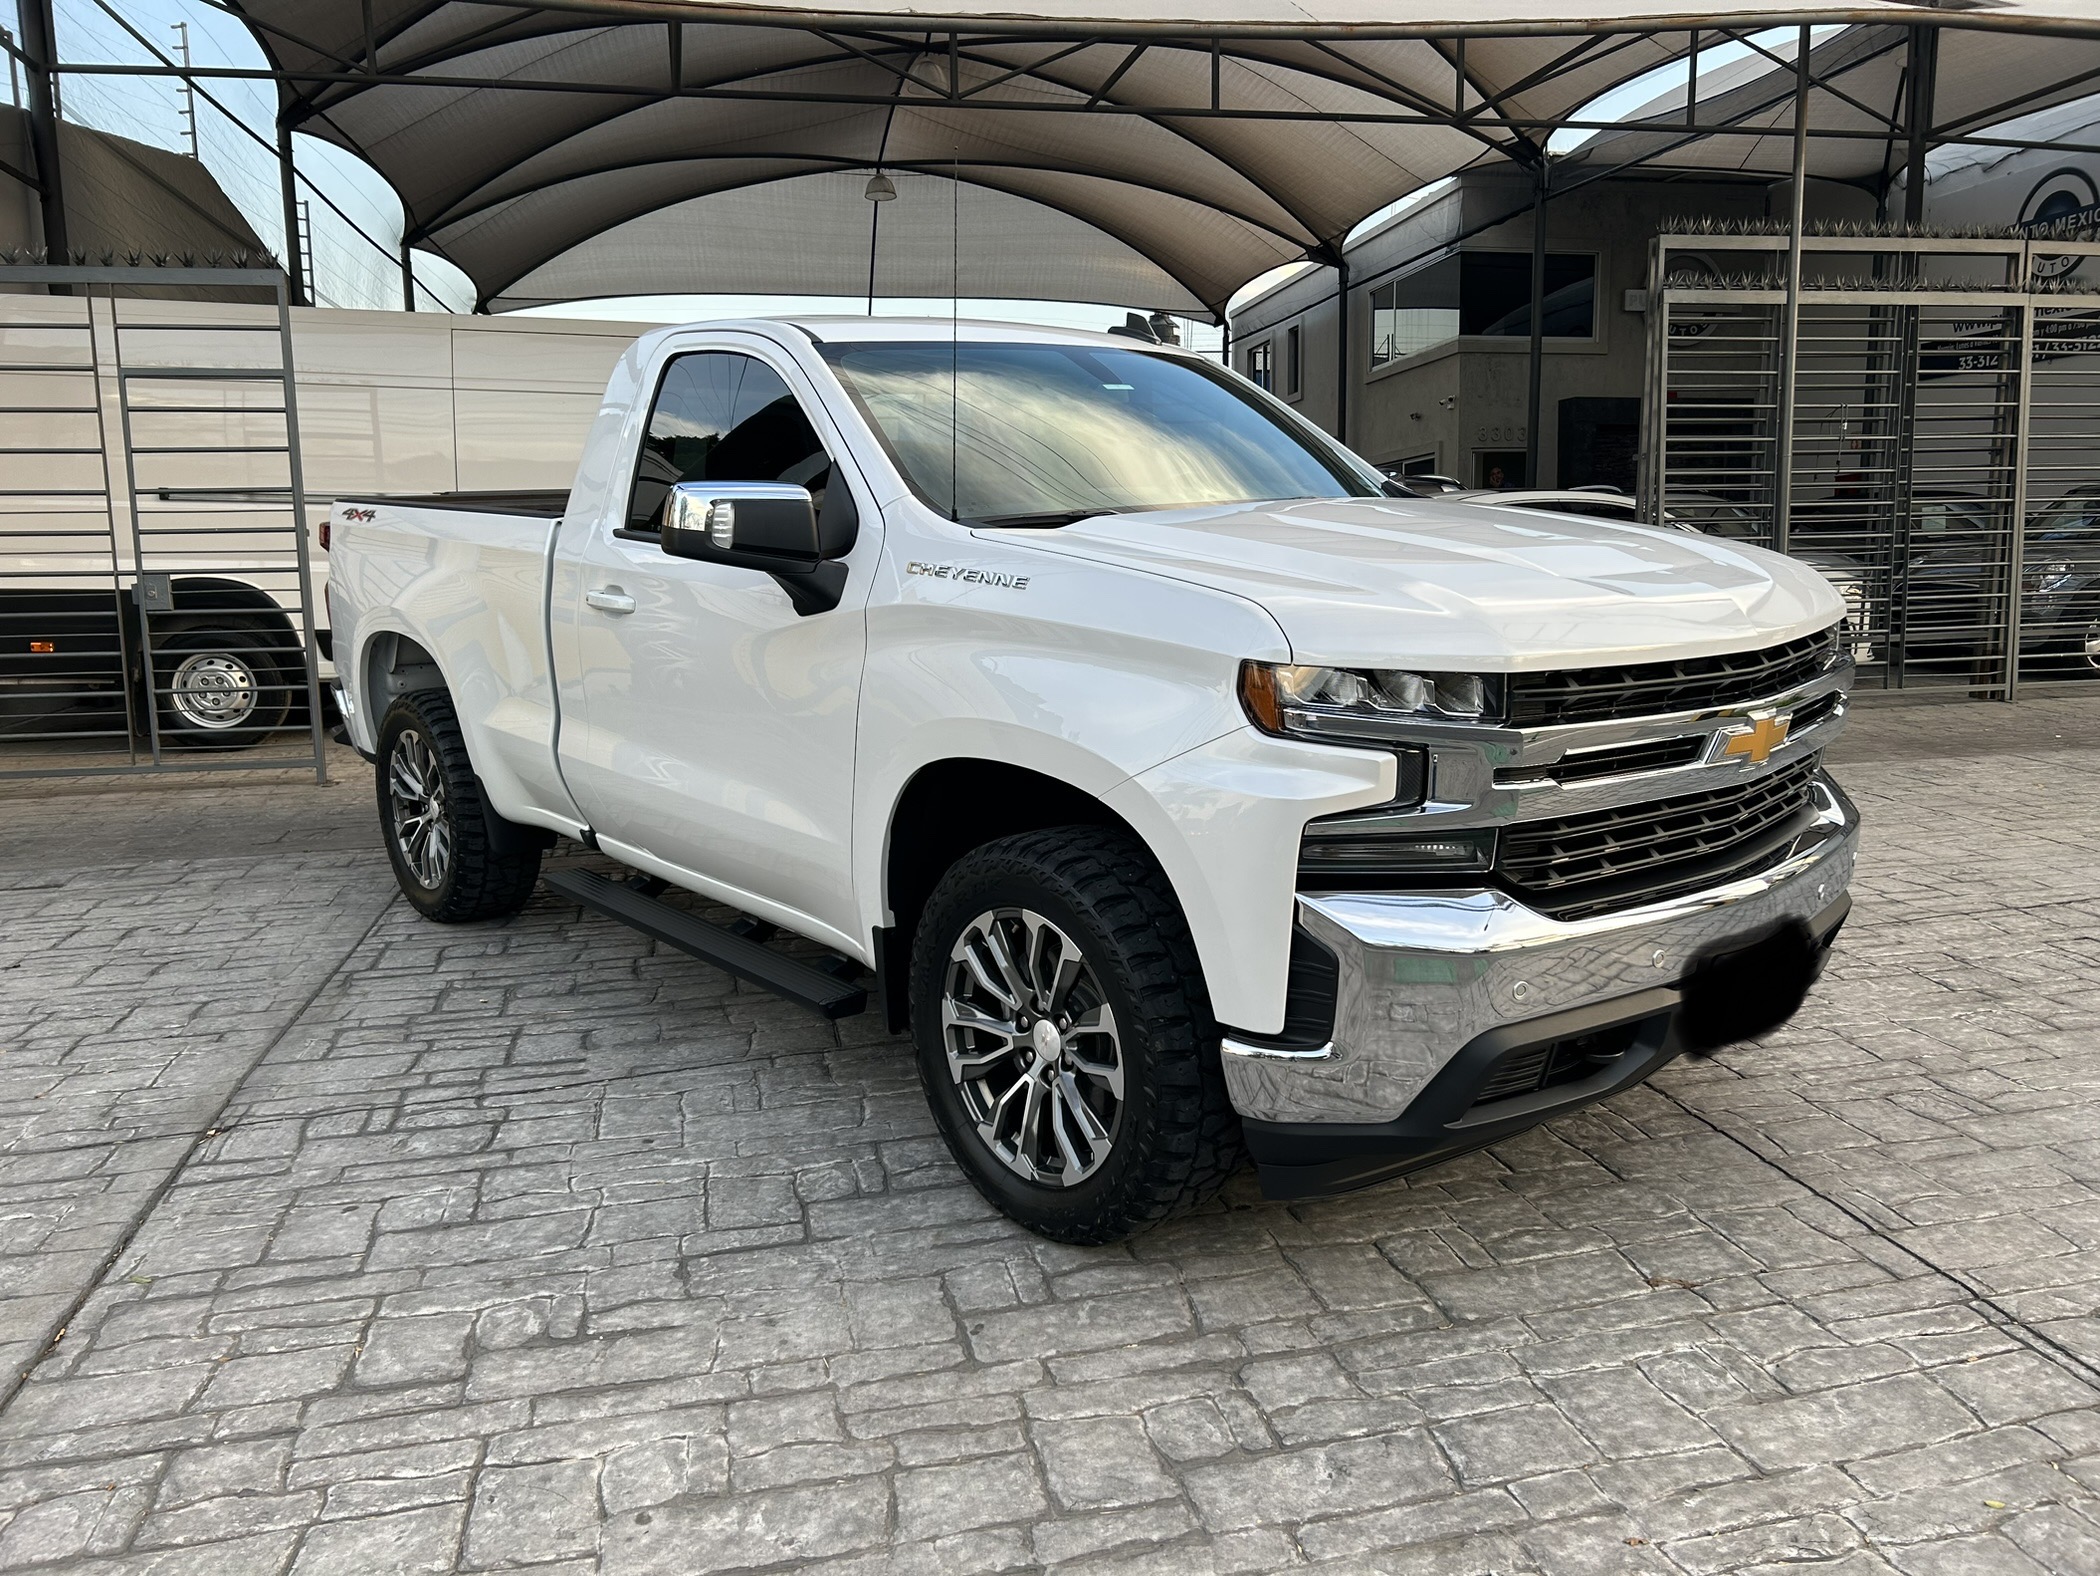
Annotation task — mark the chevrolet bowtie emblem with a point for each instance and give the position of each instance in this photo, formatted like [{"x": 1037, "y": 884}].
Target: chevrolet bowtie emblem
[{"x": 1756, "y": 742}]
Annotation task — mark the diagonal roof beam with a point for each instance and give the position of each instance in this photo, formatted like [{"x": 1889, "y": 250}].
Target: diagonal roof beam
[
  {"x": 1532, "y": 151},
  {"x": 1409, "y": 96},
  {"x": 904, "y": 73},
  {"x": 1824, "y": 82}
]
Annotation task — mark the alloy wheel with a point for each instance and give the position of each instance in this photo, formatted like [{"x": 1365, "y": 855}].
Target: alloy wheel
[
  {"x": 422, "y": 830},
  {"x": 1033, "y": 1046}
]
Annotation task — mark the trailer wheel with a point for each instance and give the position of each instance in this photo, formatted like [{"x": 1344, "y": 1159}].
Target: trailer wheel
[
  {"x": 1065, "y": 1038},
  {"x": 456, "y": 860},
  {"x": 222, "y": 687}
]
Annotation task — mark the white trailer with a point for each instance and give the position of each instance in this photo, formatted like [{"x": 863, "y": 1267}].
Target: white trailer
[{"x": 146, "y": 468}]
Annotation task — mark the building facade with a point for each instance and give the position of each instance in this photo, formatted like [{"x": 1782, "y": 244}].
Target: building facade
[{"x": 1439, "y": 326}]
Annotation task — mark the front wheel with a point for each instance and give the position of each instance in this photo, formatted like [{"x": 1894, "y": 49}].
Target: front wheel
[
  {"x": 1065, "y": 1039},
  {"x": 456, "y": 860}
]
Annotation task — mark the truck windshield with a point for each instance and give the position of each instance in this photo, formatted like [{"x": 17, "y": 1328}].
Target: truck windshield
[{"x": 1041, "y": 435}]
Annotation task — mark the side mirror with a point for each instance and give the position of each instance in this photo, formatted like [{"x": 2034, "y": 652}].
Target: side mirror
[
  {"x": 768, "y": 526},
  {"x": 750, "y": 525}
]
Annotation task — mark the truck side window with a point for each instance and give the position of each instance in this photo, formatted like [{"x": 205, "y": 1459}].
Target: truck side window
[{"x": 723, "y": 417}]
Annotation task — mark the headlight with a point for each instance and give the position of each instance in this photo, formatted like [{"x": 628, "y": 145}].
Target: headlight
[
  {"x": 2046, "y": 579},
  {"x": 1329, "y": 703}
]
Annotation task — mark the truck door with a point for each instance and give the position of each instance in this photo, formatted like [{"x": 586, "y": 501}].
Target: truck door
[{"x": 717, "y": 725}]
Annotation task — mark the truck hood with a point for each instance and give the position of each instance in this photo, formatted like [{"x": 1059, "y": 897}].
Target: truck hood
[{"x": 1391, "y": 582}]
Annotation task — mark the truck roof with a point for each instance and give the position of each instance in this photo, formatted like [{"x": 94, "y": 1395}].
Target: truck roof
[{"x": 843, "y": 329}]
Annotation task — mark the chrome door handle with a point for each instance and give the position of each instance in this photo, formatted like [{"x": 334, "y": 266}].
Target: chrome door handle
[{"x": 609, "y": 600}]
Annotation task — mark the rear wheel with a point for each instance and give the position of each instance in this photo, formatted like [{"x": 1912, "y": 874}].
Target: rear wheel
[
  {"x": 223, "y": 687},
  {"x": 1065, "y": 1039},
  {"x": 456, "y": 860}
]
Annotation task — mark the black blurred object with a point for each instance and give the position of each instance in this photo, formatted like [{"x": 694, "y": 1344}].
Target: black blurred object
[
  {"x": 1747, "y": 992},
  {"x": 1158, "y": 329}
]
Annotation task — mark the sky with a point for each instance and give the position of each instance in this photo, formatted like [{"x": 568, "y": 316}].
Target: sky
[{"x": 354, "y": 219}]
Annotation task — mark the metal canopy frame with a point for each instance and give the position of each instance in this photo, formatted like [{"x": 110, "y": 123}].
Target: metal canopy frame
[{"x": 970, "y": 68}]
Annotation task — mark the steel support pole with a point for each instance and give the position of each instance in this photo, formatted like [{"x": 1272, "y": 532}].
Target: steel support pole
[
  {"x": 40, "y": 43},
  {"x": 1533, "y": 448},
  {"x": 408, "y": 276},
  {"x": 1921, "y": 72},
  {"x": 288, "y": 190},
  {"x": 2016, "y": 546},
  {"x": 1341, "y": 350},
  {"x": 1790, "y": 316}
]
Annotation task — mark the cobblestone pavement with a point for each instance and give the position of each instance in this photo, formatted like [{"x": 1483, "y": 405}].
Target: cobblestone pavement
[{"x": 378, "y": 1246}]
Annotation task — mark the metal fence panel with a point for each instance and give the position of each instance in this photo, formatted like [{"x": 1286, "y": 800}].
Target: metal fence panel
[
  {"x": 1944, "y": 474},
  {"x": 156, "y": 582}
]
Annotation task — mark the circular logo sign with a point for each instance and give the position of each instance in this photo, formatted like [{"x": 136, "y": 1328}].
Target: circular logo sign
[{"x": 2069, "y": 197}]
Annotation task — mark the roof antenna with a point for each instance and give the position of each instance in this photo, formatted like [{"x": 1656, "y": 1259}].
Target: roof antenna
[
  {"x": 955, "y": 333},
  {"x": 1135, "y": 325}
]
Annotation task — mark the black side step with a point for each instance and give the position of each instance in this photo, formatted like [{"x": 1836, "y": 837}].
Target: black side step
[{"x": 799, "y": 982}]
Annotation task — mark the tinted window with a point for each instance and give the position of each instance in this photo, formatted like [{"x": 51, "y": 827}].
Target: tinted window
[
  {"x": 1495, "y": 295},
  {"x": 721, "y": 417},
  {"x": 1480, "y": 293},
  {"x": 1261, "y": 363},
  {"x": 1939, "y": 517}
]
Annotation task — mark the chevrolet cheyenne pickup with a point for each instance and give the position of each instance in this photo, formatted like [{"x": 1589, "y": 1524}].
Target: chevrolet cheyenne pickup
[{"x": 1184, "y": 790}]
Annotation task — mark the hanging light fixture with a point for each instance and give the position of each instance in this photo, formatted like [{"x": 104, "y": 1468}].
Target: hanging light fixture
[{"x": 880, "y": 188}]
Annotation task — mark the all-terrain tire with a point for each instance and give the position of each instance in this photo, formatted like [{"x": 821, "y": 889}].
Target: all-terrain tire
[
  {"x": 1174, "y": 1138},
  {"x": 457, "y": 860}
]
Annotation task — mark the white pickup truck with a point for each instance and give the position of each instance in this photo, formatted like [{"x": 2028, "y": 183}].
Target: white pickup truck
[{"x": 1188, "y": 794}]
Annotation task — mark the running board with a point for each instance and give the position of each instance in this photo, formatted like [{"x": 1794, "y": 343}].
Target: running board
[{"x": 802, "y": 983}]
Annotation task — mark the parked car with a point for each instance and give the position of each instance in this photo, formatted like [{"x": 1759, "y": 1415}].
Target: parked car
[
  {"x": 2060, "y": 583},
  {"x": 1958, "y": 587},
  {"x": 1183, "y": 789},
  {"x": 1422, "y": 484}
]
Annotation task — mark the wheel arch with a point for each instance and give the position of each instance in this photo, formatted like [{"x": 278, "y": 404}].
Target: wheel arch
[
  {"x": 946, "y": 808},
  {"x": 208, "y": 594},
  {"x": 391, "y": 665}
]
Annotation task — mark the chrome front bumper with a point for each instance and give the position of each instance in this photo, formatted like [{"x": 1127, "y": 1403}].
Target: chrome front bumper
[{"x": 1425, "y": 975}]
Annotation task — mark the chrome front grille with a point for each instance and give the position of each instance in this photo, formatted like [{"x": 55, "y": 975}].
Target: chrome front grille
[
  {"x": 1579, "y": 865},
  {"x": 1540, "y": 700}
]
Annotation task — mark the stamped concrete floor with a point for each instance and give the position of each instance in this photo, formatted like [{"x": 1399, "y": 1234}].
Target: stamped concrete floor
[{"x": 333, "y": 1241}]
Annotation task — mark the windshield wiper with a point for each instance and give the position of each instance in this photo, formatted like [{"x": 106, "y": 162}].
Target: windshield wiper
[{"x": 1047, "y": 520}]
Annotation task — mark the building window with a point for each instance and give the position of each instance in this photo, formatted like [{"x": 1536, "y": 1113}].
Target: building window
[
  {"x": 1483, "y": 293},
  {"x": 1261, "y": 363},
  {"x": 1293, "y": 366}
]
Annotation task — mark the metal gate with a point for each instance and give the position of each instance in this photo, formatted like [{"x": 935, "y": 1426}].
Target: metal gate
[
  {"x": 156, "y": 591},
  {"x": 1939, "y": 457}
]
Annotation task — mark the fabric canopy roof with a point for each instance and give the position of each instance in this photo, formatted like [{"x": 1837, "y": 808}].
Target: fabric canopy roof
[
  {"x": 1856, "y": 105},
  {"x": 1151, "y": 159}
]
